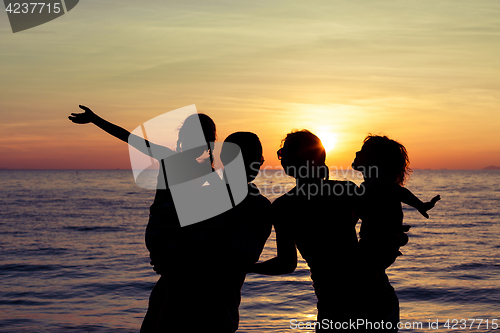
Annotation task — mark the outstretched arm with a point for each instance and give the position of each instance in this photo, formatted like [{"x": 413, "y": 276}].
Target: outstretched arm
[
  {"x": 144, "y": 146},
  {"x": 286, "y": 260},
  {"x": 88, "y": 116},
  {"x": 409, "y": 198},
  {"x": 428, "y": 206}
]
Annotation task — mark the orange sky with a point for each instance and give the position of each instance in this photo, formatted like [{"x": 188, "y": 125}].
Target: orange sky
[{"x": 424, "y": 73}]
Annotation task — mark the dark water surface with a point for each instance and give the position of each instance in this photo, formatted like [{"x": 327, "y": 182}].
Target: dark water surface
[{"x": 73, "y": 257}]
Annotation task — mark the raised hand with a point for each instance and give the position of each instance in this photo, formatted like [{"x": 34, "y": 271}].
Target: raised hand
[
  {"x": 428, "y": 206},
  {"x": 83, "y": 118}
]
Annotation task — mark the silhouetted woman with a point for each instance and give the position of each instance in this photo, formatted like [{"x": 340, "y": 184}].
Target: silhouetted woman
[
  {"x": 164, "y": 238},
  {"x": 385, "y": 167}
]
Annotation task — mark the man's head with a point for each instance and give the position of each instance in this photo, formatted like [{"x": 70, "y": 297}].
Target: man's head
[
  {"x": 251, "y": 150},
  {"x": 303, "y": 156}
]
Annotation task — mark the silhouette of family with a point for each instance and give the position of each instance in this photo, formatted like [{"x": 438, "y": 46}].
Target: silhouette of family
[{"x": 202, "y": 266}]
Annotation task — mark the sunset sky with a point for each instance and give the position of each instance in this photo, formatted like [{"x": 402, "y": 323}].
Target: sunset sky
[{"x": 426, "y": 73}]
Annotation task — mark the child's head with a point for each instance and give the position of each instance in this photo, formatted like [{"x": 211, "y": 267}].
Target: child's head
[
  {"x": 302, "y": 155},
  {"x": 189, "y": 136},
  {"x": 251, "y": 150},
  {"x": 389, "y": 156}
]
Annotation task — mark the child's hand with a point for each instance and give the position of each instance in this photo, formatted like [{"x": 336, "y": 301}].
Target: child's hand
[
  {"x": 82, "y": 118},
  {"x": 428, "y": 206}
]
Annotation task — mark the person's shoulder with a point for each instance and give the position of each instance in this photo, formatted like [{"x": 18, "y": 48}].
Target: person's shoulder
[
  {"x": 348, "y": 187},
  {"x": 286, "y": 198},
  {"x": 341, "y": 182},
  {"x": 351, "y": 185},
  {"x": 256, "y": 197}
]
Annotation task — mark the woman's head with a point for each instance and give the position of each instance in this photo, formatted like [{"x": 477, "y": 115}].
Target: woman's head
[
  {"x": 189, "y": 135},
  {"x": 303, "y": 156},
  {"x": 387, "y": 156}
]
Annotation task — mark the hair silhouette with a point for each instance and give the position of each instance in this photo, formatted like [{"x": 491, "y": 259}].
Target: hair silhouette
[
  {"x": 303, "y": 150},
  {"x": 251, "y": 151},
  {"x": 390, "y": 157},
  {"x": 188, "y": 132},
  {"x": 189, "y": 126}
]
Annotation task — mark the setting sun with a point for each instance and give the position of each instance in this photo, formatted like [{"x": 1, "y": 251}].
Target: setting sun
[{"x": 328, "y": 139}]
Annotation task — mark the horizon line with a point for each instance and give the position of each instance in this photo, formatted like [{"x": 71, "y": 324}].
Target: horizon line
[{"x": 276, "y": 168}]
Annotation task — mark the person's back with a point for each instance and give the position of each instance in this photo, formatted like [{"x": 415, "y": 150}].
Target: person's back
[
  {"x": 323, "y": 230},
  {"x": 316, "y": 216},
  {"x": 215, "y": 257},
  {"x": 321, "y": 225}
]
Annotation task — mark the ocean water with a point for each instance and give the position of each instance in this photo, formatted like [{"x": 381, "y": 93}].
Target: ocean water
[{"x": 73, "y": 259}]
